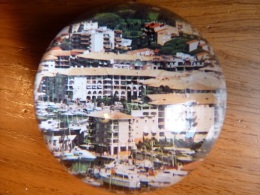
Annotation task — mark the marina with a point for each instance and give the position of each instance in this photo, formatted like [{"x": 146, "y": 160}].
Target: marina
[{"x": 130, "y": 106}]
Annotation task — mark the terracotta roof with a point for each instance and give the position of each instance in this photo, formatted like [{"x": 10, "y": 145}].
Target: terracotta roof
[
  {"x": 109, "y": 56},
  {"x": 153, "y": 25},
  {"x": 195, "y": 80},
  {"x": 119, "y": 72},
  {"x": 168, "y": 99},
  {"x": 48, "y": 56},
  {"x": 160, "y": 28},
  {"x": 138, "y": 50},
  {"x": 112, "y": 71},
  {"x": 166, "y": 29},
  {"x": 110, "y": 115},
  {"x": 55, "y": 48},
  {"x": 78, "y": 50},
  {"x": 83, "y": 71},
  {"x": 118, "y": 31},
  {"x": 59, "y": 52}
]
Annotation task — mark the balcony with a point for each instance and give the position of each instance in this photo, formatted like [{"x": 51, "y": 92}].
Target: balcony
[
  {"x": 114, "y": 138},
  {"x": 107, "y": 83},
  {"x": 107, "y": 93},
  {"x": 85, "y": 43},
  {"x": 108, "y": 88}
]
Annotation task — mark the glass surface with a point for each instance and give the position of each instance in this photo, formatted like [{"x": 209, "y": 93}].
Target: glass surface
[{"x": 130, "y": 99}]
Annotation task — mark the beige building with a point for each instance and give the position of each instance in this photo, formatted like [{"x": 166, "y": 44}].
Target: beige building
[
  {"x": 182, "y": 116},
  {"x": 145, "y": 124},
  {"x": 166, "y": 33},
  {"x": 110, "y": 131}
]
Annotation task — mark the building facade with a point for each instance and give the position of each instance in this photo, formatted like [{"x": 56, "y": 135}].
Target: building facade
[{"x": 111, "y": 132}]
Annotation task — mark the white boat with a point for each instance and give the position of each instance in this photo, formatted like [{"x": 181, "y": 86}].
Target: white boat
[
  {"x": 185, "y": 158},
  {"x": 68, "y": 156},
  {"x": 121, "y": 178},
  {"x": 79, "y": 125},
  {"x": 68, "y": 113},
  {"x": 52, "y": 125},
  {"x": 77, "y": 154},
  {"x": 83, "y": 154},
  {"x": 92, "y": 181},
  {"x": 167, "y": 178},
  {"x": 79, "y": 112}
]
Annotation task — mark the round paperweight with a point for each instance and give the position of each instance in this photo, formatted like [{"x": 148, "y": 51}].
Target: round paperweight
[{"x": 131, "y": 98}]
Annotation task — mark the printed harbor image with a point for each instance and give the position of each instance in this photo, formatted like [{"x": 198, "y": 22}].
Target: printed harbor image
[{"x": 130, "y": 99}]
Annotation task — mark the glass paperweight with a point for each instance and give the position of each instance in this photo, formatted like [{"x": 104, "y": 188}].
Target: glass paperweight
[{"x": 131, "y": 98}]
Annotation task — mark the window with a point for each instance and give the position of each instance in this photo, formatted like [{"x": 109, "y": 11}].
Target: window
[{"x": 161, "y": 134}]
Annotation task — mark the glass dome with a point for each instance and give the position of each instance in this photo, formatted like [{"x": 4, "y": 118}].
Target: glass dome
[{"x": 130, "y": 98}]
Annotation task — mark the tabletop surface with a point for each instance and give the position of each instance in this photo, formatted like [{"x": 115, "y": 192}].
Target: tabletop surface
[{"x": 232, "y": 27}]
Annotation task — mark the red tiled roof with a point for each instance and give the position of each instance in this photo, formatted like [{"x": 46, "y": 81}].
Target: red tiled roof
[
  {"x": 138, "y": 50},
  {"x": 55, "y": 48},
  {"x": 153, "y": 25},
  {"x": 168, "y": 99},
  {"x": 110, "y": 115}
]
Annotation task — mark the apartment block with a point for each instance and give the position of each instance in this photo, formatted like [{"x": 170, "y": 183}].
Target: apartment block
[{"x": 110, "y": 131}]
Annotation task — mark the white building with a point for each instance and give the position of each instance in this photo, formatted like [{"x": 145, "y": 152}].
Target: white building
[
  {"x": 126, "y": 44},
  {"x": 192, "y": 45},
  {"x": 96, "y": 42},
  {"x": 79, "y": 87},
  {"x": 95, "y": 83},
  {"x": 183, "y": 117},
  {"x": 145, "y": 125},
  {"x": 91, "y": 37},
  {"x": 141, "y": 52},
  {"x": 48, "y": 63}
]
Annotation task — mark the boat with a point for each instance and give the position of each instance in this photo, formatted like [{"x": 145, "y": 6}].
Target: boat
[
  {"x": 77, "y": 154},
  {"x": 167, "y": 178},
  {"x": 121, "y": 178},
  {"x": 51, "y": 124},
  {"x": 68, "y": 156},
  {"x": 92, "y": 182},
  {"x": 121, "y": 175},
  {"x": 83, "y": 154},
  {"x": 185, "y": 158}
]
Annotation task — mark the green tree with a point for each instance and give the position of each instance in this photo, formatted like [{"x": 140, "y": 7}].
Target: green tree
[
  {"x": 126, "y": 14},
  {"x": 167, "y": 17},
  {"x": 141, "y": 13},
  {"x": 173, "y": 46},
  {"x": 107, "y": 19}
]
